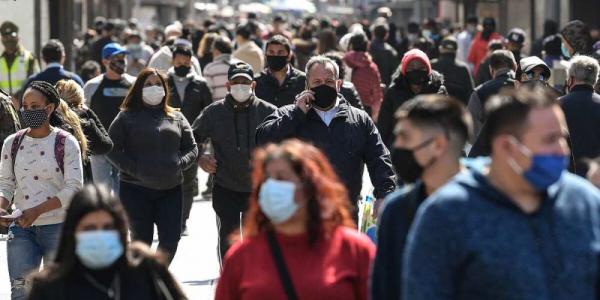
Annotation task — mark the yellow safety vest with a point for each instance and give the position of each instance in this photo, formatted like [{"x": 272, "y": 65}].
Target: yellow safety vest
[{"x": 12, "y": 79}]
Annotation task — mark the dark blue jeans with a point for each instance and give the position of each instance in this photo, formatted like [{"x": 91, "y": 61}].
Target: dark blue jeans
[{"x": 146, "y": 207}]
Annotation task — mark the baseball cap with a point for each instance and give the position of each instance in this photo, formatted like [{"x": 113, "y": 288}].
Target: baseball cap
[
  {"x": 240, "y": 69},
  {"x": 112, "y": 49},
  {"x": 516, "y": 35},
  {"x": 529, "y": 63},
  {"x": 448, "y": 45},
  {"x": 9, "y": 28}
]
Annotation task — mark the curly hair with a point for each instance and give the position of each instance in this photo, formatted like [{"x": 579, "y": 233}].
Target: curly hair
[{"x": 328, "y": 204}]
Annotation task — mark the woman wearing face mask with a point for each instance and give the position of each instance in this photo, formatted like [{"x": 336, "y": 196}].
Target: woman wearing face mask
[
  {"x": 39, "y": 173},
  {"x": 299, "y": 241},
  {"x": 153, "y": 145},
  {"x": 95, "y": 261},
  {"x": 413, "y": 77}
]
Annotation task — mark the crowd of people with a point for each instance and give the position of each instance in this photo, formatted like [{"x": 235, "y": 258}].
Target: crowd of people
[{"x": 484, "y": 162}]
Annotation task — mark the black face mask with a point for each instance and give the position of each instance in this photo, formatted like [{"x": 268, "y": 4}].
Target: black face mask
[
  {"x": 276, "y": 63},
  {"x": 417, "y": 77},
  {"x": 406, "y": 164},
  {"x": 118, "y": 66},
  {"x": 182, "y": 70},
  {"x": 325, "y": 97}
]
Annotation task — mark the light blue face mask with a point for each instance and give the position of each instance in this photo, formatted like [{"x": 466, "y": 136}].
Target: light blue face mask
[
  {"x": 98, "y": 249},
  {"x": 565, "y": 51},
  {"x": 276, "y": 200}
]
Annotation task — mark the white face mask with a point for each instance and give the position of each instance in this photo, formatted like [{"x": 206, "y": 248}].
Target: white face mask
[
  {"x": 276, "y": 200},
  {"x": 241, "y": 92},
  {"x": 153, "y": 95}
]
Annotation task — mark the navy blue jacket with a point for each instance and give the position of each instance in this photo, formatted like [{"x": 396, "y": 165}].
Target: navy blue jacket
[
  {"x": 350, "y": 141},
  {"x": 394, "y": 223},
  {"x": 52, "y": 75},
  {"x": 469, "y": 241},
  {"x": 582, "y": 112}
]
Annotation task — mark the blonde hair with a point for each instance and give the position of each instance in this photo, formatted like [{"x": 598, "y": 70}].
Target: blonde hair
[
  {"x": 71, "y": 92},
  {"x": 73, "y": 120}
]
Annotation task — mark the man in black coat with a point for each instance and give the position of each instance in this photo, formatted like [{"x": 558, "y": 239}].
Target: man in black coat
[
  {"x": 190, "y": 93},
  {"x": 502, "y": 67},
  {"x": 384, "y": 55},
  {"x": 344, "y": 133},
  {"x": 582, "y": 110},
  {"x": 279, "y": 83},
  {"x": 457, "y": 78}
]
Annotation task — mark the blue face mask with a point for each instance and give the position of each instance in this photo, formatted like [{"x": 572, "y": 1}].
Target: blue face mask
[
  {"x": 545, "y": 169},
  {"x": 98, "y": 249},
  {"x": 276, "y": 200},
  {"x": 565, "y": 51}
]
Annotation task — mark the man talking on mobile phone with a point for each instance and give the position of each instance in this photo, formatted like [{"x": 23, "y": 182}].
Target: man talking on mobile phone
[{"x": 347, "y": 135}]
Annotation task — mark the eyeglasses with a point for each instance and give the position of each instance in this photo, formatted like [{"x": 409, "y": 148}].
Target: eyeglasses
[{"x": 536, "y": 76}]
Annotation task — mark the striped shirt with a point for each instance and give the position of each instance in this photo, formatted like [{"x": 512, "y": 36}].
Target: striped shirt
[{"x": 216, "y": 75}]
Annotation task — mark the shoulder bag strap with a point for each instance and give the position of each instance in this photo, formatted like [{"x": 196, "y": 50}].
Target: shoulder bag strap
[{"x": 284, "y": 275}]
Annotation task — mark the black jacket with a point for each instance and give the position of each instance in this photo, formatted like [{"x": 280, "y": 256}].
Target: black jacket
[
  {"x": 350, "y": 141},
  {"x": 348, "y": 90},
  {"x": 394, "y": 224},
  {"x": 386, "y": 58},
  {"x": 268, "y": 88},
  {"x": 480, "y": 96},
  {"x": 99, "y": 140},
  {"x": 197, "y": 97},
  {"x": 398, "y": 93},
  {"x": 582, "y": 111},
  {"x": 457, "y": 78},
  {"x": 231, "y": 129}
]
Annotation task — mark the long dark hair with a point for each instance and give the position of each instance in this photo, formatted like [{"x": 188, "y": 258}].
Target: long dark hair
[
  {"x": 134, "y": 101},
  {"x": 91, "y": 198}
]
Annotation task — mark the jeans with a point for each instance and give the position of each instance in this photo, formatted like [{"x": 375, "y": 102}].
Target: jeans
[
  {"x": 105, "y": 173},
  {"x": 146, "y": 207},
  {"x": 229, "y": 206},
  {"x": 25, "y": 249}
]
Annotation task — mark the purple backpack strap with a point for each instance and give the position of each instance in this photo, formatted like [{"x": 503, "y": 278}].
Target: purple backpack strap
[
  {"x": 19, "y": 136},
  {"x": 59, "y": 149}
]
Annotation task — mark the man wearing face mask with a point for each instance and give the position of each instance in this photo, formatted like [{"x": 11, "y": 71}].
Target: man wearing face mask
[
  {"x": 104, "y": 95},
  {"x": 522, "y": 228},
  {"x": 413, "y": 77},
  {"x": 534, "y": 71},
  {"x": 231, "y": 125},
  {"x": 16, "y": 63},
  {"x": 346, "y": 134},
  {"x": 190, "y": 93},
  {"x": 139, "y": 53},
  {"x": 430, "y": 135},
  {"x": 502, "y": 67},
  {"x": 479, "y": 46},
  {"x": 582, "y": 110},
  {"x": 280, "y": 82}
]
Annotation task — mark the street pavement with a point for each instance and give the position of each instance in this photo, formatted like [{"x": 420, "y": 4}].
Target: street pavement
[{"x": 195, "y": 265}]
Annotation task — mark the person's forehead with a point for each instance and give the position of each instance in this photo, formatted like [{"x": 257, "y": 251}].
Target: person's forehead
[
  {"x": 276, "y": 47},
  {"x": 545, "y": 120},
  {"x": 322, "y": 70}
]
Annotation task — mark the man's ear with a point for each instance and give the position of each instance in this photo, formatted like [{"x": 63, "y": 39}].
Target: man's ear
[
  {"x": 253, "y": 85},
  {"x": 338, "y": 84},
  {"x": 228, "y": 86}
]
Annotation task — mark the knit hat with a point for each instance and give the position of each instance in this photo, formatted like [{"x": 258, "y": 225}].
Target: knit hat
[{"x": 415, "y": 54}]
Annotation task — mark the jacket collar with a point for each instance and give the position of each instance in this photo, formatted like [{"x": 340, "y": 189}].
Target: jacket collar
[
  {"x": 343, "y": 109},
  {"x": 582, "y": 87},
  {"x": 237, "y": 106}
]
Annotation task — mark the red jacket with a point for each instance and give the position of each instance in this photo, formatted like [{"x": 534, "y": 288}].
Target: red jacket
[
  {"x": 479, "y": 49},
  {"x": 366, "y": 78}
]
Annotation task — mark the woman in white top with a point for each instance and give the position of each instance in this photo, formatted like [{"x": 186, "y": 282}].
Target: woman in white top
[{"x": 40, "y": 170}]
